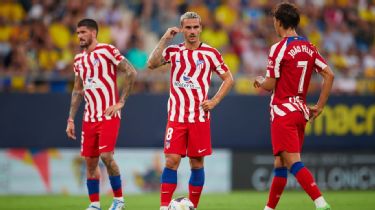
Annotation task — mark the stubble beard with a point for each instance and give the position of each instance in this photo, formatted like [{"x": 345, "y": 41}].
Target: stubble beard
[{"x": 85, "y": 44}]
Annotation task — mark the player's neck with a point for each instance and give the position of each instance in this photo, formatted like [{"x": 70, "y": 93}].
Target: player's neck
[
  {"x": 192, "y": 46},
  {"x": 91, "y": 47},
  {"x": 289, "y": 33}
]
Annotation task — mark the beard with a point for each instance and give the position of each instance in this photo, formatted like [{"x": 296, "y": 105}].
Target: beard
[{"x": 85, "y": 43}]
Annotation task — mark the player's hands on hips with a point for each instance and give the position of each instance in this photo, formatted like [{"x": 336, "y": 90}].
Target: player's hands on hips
[
  {"x": 315, "y": 112},
  {"x": 70, "y": 130},
  {"x": 171, "y": 32},
  {"x": 209, "y": 104},
  {"x": 110, "y": 111},
  {"x": 258, "y": 81}
]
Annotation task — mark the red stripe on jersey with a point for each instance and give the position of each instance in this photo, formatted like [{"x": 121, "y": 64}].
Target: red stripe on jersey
[
  {"x": 183, "y": 91},
  {"x": 105, "y": 82},
  {"x": 99, "y": 90},
  {"x": 112, "y": 75},
  {"x": 99, "y": 80},
  {"x": 201, "y": 83},
  {"x": 176, "y": 107},
  {"x": 273, "y": 58},
  {"x": 191, "y": 89},
  {"x": 168, "y": 52}
]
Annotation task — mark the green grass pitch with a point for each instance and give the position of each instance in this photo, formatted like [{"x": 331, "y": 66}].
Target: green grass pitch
[{"x": 250, "y": 200}]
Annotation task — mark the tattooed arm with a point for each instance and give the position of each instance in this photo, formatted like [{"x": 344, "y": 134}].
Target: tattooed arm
[
  {"x": 130, "y": 74},
  {"x": 156, "y": 59},
  {"x": 77, "y": 96}
]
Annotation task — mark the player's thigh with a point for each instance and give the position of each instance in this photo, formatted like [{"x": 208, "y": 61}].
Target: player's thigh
[
  {"x": 89, "y": 140},
  {"x": 108, "y": 134},
  {"x": 199, "y": 142},
  {"x": 284, "y": 134},
  {"x": 175, "y": 139}
]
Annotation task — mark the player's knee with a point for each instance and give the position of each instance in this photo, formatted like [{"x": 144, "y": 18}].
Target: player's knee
[
  {"x": 171, "y": 163},
  {"x": 106, "y": 158}
]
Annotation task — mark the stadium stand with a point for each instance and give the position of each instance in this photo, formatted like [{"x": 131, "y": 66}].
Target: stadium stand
[{"x": 38, "y": 42}]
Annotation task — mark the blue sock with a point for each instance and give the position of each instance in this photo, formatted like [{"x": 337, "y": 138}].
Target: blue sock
[
  {"x": 169, "y": 176},
  {"x": 281, "y": 172},
  {"x": 93, "y": 189},
  {"x": 115, "y": 182},
  {"x": 197, "y": 177},
  {"x": 297, "y": 166}
]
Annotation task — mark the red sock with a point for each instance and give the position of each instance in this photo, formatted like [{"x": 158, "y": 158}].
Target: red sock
[
  {"x": 307, "y": 182},
  {"x": 195, "y": 194},
  {"x": 277, "y": 188},
  {"x": 166, "y": 193}
]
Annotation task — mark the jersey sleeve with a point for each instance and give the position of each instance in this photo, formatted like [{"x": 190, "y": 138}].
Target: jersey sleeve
[
  {"x": 76, "y": 65},
  {"x": 219, "y": 65},
  {"x": 114, "y": 55},
  {"x": 275, "y": 57},
  {"x": 319, "y": 63},
  {"x": 169, "y": 52}
]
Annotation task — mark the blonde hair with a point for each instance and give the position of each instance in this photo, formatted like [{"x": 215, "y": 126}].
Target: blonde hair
[{"x": 190, "y": 15}]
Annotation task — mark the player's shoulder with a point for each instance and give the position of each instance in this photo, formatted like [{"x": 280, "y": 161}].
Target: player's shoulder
[
  {"x": 78, "y": 56},
  {"x": 104, "y": 46},
  {"x": 276, "y": 47},
  {"x": 208, "y": 48}
]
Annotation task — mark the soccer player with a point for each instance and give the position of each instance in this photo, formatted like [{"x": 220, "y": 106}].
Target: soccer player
[
  {"x": 290, "y": 65},
  {"x": 188, "y": 128},
  {"x": 95, "y": 80}
]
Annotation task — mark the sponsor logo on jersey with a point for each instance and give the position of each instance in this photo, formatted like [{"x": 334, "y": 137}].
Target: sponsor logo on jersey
[
  {"x": 186, "y": 82},
  {"x": 91, "y": 83}
]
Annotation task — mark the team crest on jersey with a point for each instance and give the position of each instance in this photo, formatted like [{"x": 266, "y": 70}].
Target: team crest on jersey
[
  {"x": 199, "y": 63},
  {"x": 186, "y": 82},
  {"x": 96, "y": 61}
]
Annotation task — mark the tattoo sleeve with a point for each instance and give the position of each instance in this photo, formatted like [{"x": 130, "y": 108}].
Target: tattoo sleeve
[
  {"x": 77, "y": 96},
  {"x": 130, "y": 74},
  {"x": 156, "y": 59}
]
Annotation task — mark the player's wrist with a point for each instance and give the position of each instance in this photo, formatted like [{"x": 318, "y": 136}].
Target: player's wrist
[{"x": 70, "y": 120}]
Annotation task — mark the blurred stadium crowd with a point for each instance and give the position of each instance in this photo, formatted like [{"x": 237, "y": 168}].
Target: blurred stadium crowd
[{"x": 38, "y": 41}]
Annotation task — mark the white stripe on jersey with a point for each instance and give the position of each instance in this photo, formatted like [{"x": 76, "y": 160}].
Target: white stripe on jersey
[
  {"x": 96, "y": 70},
  {"x": 178, "y": 91},
  {"x": 172, "y": 106},
  {"x": 273, "y": 48},
  {"x": 320, "y": 63},
  {"x": 187, "y": 70},
  {"x": 289, "y": 106},
  {"x": 200, "y": 92},
  {"x": 278, "y": 60},
  {"x": 110, "y": 82},
  {"x": 278, "y": 111}
]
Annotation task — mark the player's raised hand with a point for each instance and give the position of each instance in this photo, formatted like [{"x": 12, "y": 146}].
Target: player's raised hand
[
  {"x": 208, "y": 105},
  {"x": 258, "y": 81},
  {"x": 315, "y": 111},
  {"x": 171, "y": 32},
  {"x": 70, "y": 130},
  {"x": 110, "y": 111}
]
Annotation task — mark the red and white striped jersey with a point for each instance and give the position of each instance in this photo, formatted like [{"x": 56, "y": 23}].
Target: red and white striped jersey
[
  {"x": 98, "y": 70},
  {"x": 190, "y": 79},
  {"x": 292, "y": 61}
]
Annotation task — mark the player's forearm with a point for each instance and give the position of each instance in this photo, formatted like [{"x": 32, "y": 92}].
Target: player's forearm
[
  {"x": 156, "y": 58},
  {"x": 268, "y": 84},
  {"x": 328, "y": 78},
  {"x": 130, "y": 76},
  {"x": 224, "y": 89},
  {"x": 77, "y": 96}
]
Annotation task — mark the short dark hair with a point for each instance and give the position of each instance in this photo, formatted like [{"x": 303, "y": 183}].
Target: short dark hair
[
  {"x": 89, "y": 23},
  {"x": 287, "y": 14}
]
